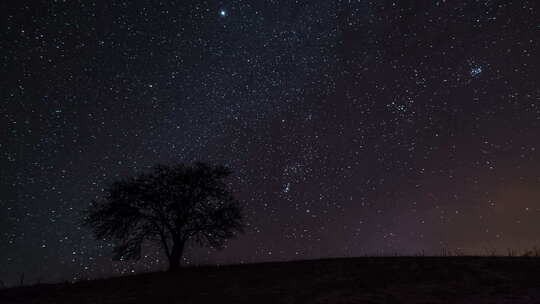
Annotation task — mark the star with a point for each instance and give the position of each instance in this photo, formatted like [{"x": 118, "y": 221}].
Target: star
[
  {"x": 287, "y": 188},
  {"x": 476, "y": 71},
  {"x": 222, "y": 13}
]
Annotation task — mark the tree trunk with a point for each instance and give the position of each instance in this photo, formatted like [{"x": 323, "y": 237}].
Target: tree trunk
[{"x": 175, "y": 257}]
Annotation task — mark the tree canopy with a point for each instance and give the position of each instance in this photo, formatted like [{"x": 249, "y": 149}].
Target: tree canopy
[{"x": 170, "y": 206}]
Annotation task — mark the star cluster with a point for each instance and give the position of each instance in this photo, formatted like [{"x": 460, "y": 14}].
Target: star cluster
[{"x": 353, "y": 127}]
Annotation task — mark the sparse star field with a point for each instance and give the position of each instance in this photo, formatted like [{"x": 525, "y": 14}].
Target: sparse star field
[{"x": 353, "y": 127}]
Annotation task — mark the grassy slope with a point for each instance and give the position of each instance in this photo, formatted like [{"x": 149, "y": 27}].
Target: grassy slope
[{"x": 358, "y": 280}]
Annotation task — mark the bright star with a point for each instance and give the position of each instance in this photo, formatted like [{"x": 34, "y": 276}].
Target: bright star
[
  {"x": 476, "y": 71},
  {"x": 287, "y": 188},
  {"x": 222, "y": 13}
]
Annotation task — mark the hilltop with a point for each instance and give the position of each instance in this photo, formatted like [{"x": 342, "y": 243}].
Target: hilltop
[{"x": 348, "y": 280}]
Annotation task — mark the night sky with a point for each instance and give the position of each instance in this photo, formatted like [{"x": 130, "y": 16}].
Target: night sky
[{"x": 353, "y": 127}]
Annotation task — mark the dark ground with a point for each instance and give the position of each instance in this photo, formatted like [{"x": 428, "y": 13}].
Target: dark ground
[{"x": 354, "y": 280}]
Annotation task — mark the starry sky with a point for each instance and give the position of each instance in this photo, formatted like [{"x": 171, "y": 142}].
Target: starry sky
[{"x": 353, "y": 127}]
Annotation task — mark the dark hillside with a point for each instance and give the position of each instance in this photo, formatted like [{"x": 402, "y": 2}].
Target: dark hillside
[{"x": 355, "y": 280}]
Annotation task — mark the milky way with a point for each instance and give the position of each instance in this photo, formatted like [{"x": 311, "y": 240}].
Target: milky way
[{"x": 353, "y": 127}]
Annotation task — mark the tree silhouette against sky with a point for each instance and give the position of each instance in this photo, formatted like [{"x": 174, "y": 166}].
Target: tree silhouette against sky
[{"x": 169, "y": 206}]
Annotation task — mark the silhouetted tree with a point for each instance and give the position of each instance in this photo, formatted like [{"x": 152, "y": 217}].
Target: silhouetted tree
[{"x": 171, "y": 206}]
